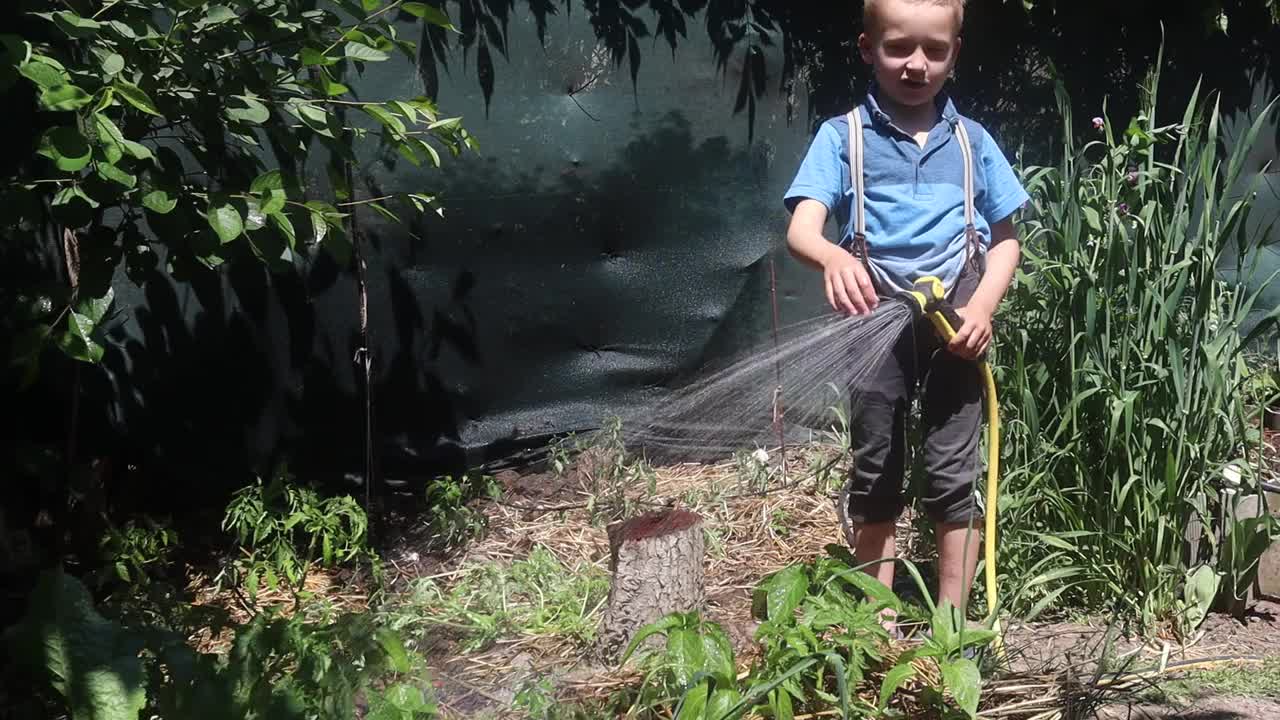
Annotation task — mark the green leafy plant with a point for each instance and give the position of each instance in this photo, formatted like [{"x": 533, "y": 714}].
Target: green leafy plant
[
  {"x": 696, "y": 667},
  {"x": 1245, "y": 541},
  {"x": 822, "y": 646},
  {"x": 136, "y": 550},
  {"x": 753, "y": 469},
  {"x": 279, "y": 668},
  {"x": 453, "y": 521},
  {"x": 1121, "y": 370},
  {"x": 536, "y": 596},
  {"x": 284, "y": 530},
  {"x": 182, "y": 130},
  {"x": 607, "y": 471},
  {"x": 92, "y": 663}
]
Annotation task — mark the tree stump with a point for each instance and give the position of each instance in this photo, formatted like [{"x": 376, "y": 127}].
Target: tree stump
[{"x": 656, "y": 560}]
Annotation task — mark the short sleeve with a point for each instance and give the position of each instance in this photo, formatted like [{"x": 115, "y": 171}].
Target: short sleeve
[
  {"x": 821, "y": 175},
  {"x": 1004, "y": 193}
]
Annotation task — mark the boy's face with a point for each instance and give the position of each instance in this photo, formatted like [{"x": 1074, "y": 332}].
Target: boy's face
[{"x": 911, "y": 49}]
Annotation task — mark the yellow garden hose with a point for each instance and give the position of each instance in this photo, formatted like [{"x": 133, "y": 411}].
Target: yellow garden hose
[
  {"x": 993, "y": 493},
  {"x": 929, "y": 297}
]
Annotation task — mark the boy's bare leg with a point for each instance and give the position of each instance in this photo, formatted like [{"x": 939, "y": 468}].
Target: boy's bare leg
[
  {"x": 952, "y": 585},
  {"x": 875, "y": 542}
]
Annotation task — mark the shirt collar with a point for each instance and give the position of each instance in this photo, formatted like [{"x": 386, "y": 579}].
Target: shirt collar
[{"x": 946, "y": 109}]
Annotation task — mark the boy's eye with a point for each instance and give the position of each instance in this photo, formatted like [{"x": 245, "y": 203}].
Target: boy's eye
[
  {"x": 899, "y": 49},
  {"x": 937, "y": 52}
]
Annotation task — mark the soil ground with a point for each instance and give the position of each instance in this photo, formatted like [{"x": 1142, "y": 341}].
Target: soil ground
[{"x": 758, "y": 534}]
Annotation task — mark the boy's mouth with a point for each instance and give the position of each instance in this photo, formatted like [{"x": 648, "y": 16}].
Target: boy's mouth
[{"x": 914, "y": 83}]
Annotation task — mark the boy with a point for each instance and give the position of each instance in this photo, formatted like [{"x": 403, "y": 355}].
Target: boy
[{"x": 913, "y": 183}]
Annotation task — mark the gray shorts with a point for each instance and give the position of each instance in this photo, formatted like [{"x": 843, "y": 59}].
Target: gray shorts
[{"x": 951, "y": 416}]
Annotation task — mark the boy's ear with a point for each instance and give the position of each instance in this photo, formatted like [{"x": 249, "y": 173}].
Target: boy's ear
[{"x": 864, "y": 48}]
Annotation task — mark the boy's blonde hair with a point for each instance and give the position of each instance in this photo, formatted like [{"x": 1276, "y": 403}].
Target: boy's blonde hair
[{"x": 869, "y": 10}]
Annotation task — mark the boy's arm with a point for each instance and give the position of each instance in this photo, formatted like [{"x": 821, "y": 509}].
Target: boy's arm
[
  {"x": 974, "y": 336},
  {"x": 847, "y": 284}
]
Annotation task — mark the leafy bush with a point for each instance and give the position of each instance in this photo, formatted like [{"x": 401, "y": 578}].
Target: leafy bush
[
  {"x": 284, "y": 530},
  {"x": 136, "y": 550},
  {"x": 278, "y": 668},
  {"x": 452, "y": 520},
  {"x": 822, "y": 646},
  {"x": 1121, "y": 368},
  {"x": 182, "y": 131},
  {"x": 607, "y": 471}
]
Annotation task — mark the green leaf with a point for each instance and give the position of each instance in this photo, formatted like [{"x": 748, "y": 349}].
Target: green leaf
[
  {"x": 717, "y": 652},
  {"x": 693, "y": 706},
  {"x": 662, "y": 625},
  {"x": 114, "y": 174},
  {"x": 319, "y": 226},
  {"x": 136, "y": 97},
  {"x": 159, "y": 201},
  {"x": 385, "y": 117},
  {"x": 112, "y": 64},
  {"x": 92, "y": 662},
  {"x": 253, "y": 112},
  {"x": 875, "y": 591},
  {"x": 431, "y": 14},
  {"x": 216, "y": 15},
  {"x": 73, "y": 25},
  {"x": 43, "y": 74},
  {"x": 137, "y": 151},
  {"x": 270, "y": 180},
  {"x": 722, "y": 701},
  {"x": 273, "y": 201},
  {"x": 894, "y": 680},
  {"x": 394, "y": 648},
  {"x": 779, "y": 595},
  {"x": 360, "y": 51},
  {"x": 311, "y": 56},
  {"x": 68, "y": 149},
  {"x": 329, "y": 86},
  {"x": 944, "y": 623},
  {"x": 964, "y": 681},
  {"x": 684, "y": 654},
  {"x": 109, "y": 137},
  {"x": 285, "y": 227},
  {"x": 73, "y": 206},
  {"x": 314, "y": 117},
  {"x": 65, "y": 97},
  {"x": 94, "y": 309},
  {"x": 225, "y": 220},
  {"x": 76, "y": 341}
]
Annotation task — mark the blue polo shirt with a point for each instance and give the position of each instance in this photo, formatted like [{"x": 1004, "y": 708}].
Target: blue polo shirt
[{"x": 914, "y": 197}]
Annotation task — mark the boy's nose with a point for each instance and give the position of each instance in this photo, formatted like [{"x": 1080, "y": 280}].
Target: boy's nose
[{"x": 917, "y": 63}]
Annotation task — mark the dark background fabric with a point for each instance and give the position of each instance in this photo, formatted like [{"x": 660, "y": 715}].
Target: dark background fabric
[{"x": 616, "y": 231}]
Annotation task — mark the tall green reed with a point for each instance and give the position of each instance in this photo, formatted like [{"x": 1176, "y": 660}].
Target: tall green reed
[{"x": 1120, "y": 366}]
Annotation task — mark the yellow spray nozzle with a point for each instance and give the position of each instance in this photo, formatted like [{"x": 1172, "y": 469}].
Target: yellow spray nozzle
[{"x": 930, "y": 288}]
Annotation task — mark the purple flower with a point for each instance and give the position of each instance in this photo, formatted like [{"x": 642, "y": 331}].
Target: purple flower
[
  {"x": 1122, "y": 209},
  {"x": 1132, "y": 177},
  {"x": 1098, "y": 123}
]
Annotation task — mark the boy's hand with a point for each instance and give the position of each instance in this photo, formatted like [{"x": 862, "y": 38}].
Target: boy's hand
[
  {"x": 849, "y": 288},
  {"x": 974, "y": 336}
]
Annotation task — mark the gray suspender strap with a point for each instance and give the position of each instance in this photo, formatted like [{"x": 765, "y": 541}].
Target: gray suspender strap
[
  {"x": 855, "y": 176},
  {"x": 859, "y": 200},
  {"x": 971, "y": 247}
]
